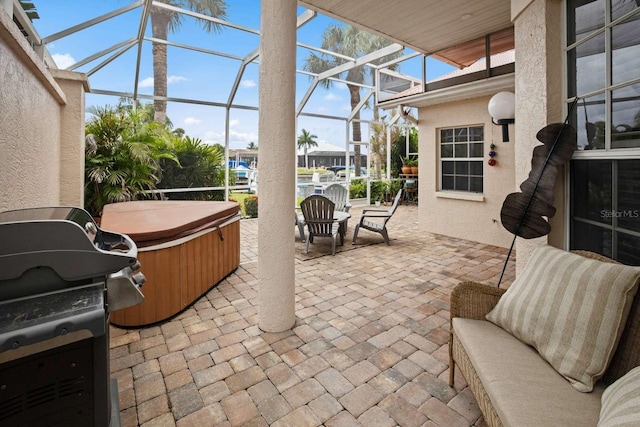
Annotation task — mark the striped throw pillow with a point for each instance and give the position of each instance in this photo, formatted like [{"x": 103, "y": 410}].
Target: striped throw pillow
[
  {"x": 621, "y": 402},
  {"x": 571, "y": 309}
]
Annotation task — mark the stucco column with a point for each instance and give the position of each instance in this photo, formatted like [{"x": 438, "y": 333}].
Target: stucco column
[
  {"x": 276, "y": 250},
  {"x": 539, "y": 98},
  {"x": 72, "y": 144}
]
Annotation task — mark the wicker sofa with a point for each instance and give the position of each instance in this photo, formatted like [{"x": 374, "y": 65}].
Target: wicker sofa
[{"x": 511, "y": 381}]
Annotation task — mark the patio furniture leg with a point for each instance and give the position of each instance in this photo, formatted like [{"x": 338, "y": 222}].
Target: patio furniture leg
[
  {"x": 306, "y": 247},
  {"x": 333, "y": 245},
  {"x": 385, "y": 236},
  {"x": 355, "y": 234},
  {"x": 301, "y": 231}
]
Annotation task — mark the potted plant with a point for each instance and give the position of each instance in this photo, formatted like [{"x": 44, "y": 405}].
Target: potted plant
[
  {"x": 406, "y": 165},
  {"x": 414, "y": 166}
]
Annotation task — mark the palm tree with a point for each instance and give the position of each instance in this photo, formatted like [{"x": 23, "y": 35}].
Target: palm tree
[
  {"x": 165, "y": 20},
  {"x": 252, "y": 146},
  {"x": 306, "y": 140},
  {"x": 354, "y": 43}
]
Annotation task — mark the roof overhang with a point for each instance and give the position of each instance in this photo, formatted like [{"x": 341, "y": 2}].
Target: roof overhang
[{"x": 453, "y": 31}]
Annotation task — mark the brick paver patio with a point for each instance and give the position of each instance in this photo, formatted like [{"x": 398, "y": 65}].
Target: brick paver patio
[{"x": 369, "y": 346}]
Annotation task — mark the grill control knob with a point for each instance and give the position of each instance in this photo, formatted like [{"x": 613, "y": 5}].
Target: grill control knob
[{"x": 139, "y": 279}]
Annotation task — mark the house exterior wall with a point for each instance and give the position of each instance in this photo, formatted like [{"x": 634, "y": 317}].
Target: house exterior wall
[
  {"x": 32, "y": 111},
  {"x": 461, "y": 214}
]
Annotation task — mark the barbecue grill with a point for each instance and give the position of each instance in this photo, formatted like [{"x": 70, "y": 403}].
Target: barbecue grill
[{"x": 60, "y": 276}]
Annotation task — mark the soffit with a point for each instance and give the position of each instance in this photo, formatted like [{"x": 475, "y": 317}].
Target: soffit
[{"x": 427, "y": 26}]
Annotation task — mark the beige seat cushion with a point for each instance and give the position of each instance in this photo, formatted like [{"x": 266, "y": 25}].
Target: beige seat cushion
[
  {"x": 621, "y": 402},
  {"x": 524, "y": 389},
  {"x": 572, "y": 309}
]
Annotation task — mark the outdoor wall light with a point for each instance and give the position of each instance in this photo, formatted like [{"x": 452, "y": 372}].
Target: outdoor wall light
[{"x": 502, "y": 109}]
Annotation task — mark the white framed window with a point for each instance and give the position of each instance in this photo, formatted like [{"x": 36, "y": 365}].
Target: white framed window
[
  {"x": 603, "y": 70},
  {"x": 462, "y": 159}
]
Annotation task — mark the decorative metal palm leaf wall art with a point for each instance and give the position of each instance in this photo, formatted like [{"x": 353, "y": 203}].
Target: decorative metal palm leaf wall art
[{"x": 525, "y": 213}]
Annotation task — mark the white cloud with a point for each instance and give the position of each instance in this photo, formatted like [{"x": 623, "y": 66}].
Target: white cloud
[
  {"x": 247, "y": 83},
  {"x": 63, "y": 60},
  {"x": 234, "y": 122},
  {"x": 148, "y": 82},
  {"x": 236, "y": 139},
  {"x": 331, "y": 97},
  {"x": 192, "y": 121},
  {"x": 176, "y": 79}
]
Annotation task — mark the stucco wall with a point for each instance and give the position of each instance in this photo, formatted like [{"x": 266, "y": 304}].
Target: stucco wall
[
  {"x": 477, "y": 220},
  {"x": 41, "y": 133},
  {"x": 539, "y": 99}
]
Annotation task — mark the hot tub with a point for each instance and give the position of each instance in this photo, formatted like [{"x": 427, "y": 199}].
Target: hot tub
[{"x": 185, "y": 248}]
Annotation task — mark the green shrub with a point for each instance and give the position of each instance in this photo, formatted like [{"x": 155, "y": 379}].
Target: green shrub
[
  {"x": 357, "y": 189},
  {"x": 378, "y": 188},
  {"x": 251, "y": 206},
  {"x": 198, "y": 165}
]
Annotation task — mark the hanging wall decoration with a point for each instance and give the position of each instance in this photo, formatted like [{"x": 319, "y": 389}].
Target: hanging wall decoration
[{"x": 492, "y": 161}]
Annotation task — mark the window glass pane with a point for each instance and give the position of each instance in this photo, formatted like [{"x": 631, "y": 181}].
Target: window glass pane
[
  {"x": 447, "y": 167},
  {"x": 461, "y": 134},
  {"x": 447, "y": 182},
  {"x": 446, "y": 135},
  {"x": 590, "y": 65},
  {"x": 592, "y": 189},
  {"x": 590, "y": 116},
  {"x": 583, "y": 18},
  {"x": 462, "y": 168},
  {"x": 628, "y": 249},
  {"x": 462, "y": 150},
  {"x": 476, "y": 150},
  {"x": 475, "y": 168},
  {"x": 625, "y": 54},
  {"x": 462, "y": 183},
  {"x": 591, "y": 238},
  {"x": 625, "y": 116},
  {"x": 476, "y": 185},
  {"x": 446, "y": 150},
  {"x": 620, "y": 8},
  {"x": 628, "y": 211},
  {"x": 476, "y": 133}
]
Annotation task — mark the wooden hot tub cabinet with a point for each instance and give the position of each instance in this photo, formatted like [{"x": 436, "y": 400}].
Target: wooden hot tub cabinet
[{"x": 184, "y": 247}]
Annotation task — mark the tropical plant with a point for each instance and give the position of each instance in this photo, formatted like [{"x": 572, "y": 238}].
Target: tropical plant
[
  {"x": 350, "y": 42},
  {"x": 122, "y": 156},
  {"x": 165, "y": 20},
  {"x": 306, "y": 140},
  {"x": 198, "y": 165},
  {"x": 252, "y": 146},
  {"x": 379, "y": 142}
]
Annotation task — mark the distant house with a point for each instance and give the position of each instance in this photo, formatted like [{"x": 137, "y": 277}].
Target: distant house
[
  {"x": 250, "y": 157},
  {"x": 324, "y": 155}
]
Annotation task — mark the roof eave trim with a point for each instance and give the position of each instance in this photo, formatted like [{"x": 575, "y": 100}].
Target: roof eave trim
[{"x": 469, "y": 90}]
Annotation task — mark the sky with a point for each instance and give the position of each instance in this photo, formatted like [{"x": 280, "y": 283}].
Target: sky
[{"x": 197, "y": 75}]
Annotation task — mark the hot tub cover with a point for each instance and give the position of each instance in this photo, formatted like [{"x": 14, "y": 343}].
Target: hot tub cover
[{"x": 149, "y": 222}]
